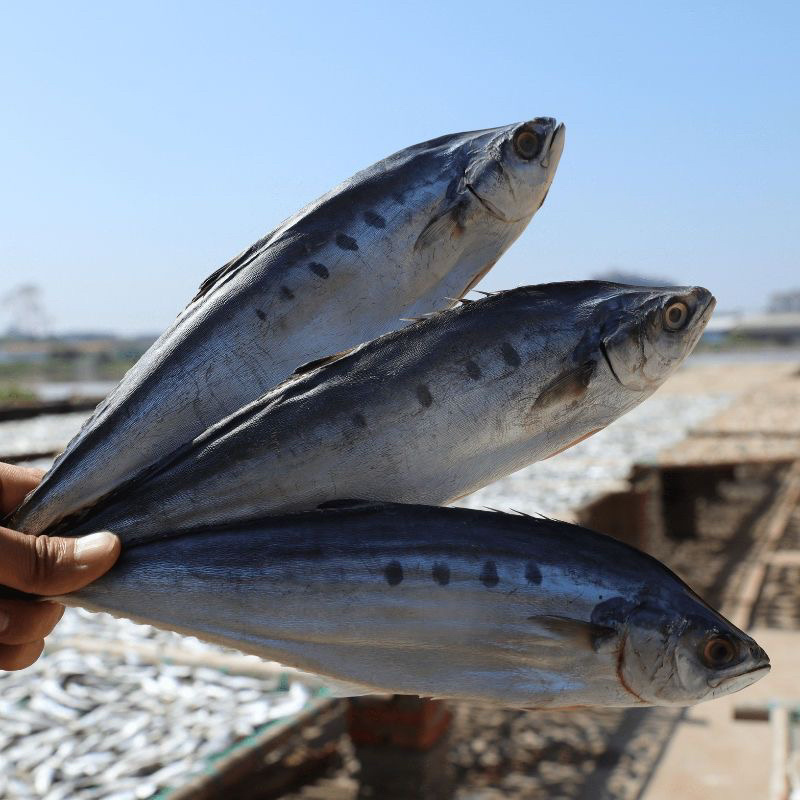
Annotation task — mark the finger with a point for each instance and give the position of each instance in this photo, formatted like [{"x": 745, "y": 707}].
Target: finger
[
  {"x": 52, "y": 565},
  {"x": 23, "y": 622},
  {"x": 20, "y": 656},
  {"x": 15, "y": 483}
]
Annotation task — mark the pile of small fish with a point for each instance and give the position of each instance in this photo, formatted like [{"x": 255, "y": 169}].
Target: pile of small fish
[
  {"x": 84, "y": 725},
  {"x": 268, "y": 493}
]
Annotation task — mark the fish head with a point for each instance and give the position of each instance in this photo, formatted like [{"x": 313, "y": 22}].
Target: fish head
[
  {"x": 681, "y": 653},
  {"x": 511, "y": 168},
  {"x": 648, "y": 332}
]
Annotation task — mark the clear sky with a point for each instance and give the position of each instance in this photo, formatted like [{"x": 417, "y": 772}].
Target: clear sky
[{"x": 143, "y": 144}]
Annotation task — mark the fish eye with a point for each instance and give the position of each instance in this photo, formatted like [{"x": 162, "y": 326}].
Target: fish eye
[
  {"x": 718, "y": 652},
  {"x": 527, "y": 144},
  {"x": 676, "y": 315}
]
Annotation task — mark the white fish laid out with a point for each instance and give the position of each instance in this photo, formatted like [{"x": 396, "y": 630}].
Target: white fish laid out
[
  {"x": 474, "y": 605},
  {"x": 426, "y": 414},
  {"x": 399, "y": 239}
]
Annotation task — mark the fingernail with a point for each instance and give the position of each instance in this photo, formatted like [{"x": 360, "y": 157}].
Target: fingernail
[
  {"x": 5, "y": 621},
  {"x": 93, "y": 547}
]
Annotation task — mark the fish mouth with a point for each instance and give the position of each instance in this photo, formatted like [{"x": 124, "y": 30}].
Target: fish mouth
[
  {"x": 742, "y": 679},
  {"x": 555, "y": 143},
  {"x": 700, "y": 322},
  {"x": 706, "y": 313}
]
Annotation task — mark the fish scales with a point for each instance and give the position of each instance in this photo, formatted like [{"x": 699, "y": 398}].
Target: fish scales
[
  {"x": 533, "y": 612},
  {"x": 426, "y": 414},
  {"x": 398, "y": 240}
]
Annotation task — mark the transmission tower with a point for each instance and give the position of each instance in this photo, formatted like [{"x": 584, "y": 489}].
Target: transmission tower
[{"x": 24, "y": 307}]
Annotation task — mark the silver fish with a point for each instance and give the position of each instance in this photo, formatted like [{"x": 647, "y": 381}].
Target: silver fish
[
  {"x": 474, "y": 605},
  {"x": 426, "y": 414},
  {"x": 400, "y": 239}
]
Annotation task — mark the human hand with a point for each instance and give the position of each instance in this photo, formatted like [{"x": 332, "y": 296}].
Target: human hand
[{"x": 42, "y": 565}]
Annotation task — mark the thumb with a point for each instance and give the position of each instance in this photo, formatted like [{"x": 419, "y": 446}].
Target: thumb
[{"x": 52, "y": 565}]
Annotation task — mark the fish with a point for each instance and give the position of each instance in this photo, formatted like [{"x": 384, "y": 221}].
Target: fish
[
  {"x": 407, "y": 236},
  {"x": 426, "y": 414},
  {"x": 490, "y": 607}
]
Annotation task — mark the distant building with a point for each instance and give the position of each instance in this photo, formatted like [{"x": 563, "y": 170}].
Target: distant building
[
  {"x": 633, "y": 278},
  {"x": 782, "y": 328},
  {"x": 784, "y": 302},
  {"x": 774, "y": 328}
]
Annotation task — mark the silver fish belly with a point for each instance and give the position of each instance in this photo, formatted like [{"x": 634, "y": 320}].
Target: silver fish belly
[
  {"x": 455, "y": 603},
  {"x": 399, "y": 239},
  {"x": 426, "y": 414}
]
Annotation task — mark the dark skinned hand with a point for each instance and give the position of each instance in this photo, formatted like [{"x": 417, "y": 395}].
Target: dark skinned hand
[{"x": 42, "y": 565}]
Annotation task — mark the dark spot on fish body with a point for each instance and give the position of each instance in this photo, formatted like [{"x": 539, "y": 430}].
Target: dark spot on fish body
[
  {"x": 260, "y": 314},
  {"x": 607, "y": 617},
  {"x": 393, "y": 572},
  {"x": 424, "y": 395},
  {"x": 374, "y": 220},
  {"x": 359, "y": 421},
  {"x": 441, "y": 573},
  {"x": 473, "y": 370},
  {"x": 346, "y": 242},
  {"x": 399, "y": 198},
  {"x": 287, "y": 293},
  {"x": 319, "y": 269},
  {"x": 532, "y": 573},
  {"x": 510, "y": 355},
  {"x": 489, "y": 576},
  {"x": 611, "y": 612}
]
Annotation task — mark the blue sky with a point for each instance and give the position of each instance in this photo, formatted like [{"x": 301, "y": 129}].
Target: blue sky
[{"x": 144, "y": 144}]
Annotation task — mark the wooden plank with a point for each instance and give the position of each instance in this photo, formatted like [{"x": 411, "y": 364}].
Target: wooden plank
[
  {"x": 785, "y": 558},
  {"x": 733, "y": 450},
  {"x": 10, "y": 413},
  {"x": 249, "y": 758},
  {"x": 779, "y": 724},
  {"x": 769, "y": 530}
]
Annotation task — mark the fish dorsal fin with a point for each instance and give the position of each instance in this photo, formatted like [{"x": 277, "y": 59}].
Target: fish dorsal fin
[
  {"x": 300, "y": 243},
  {"x": 217, "y": 275},
  {"x": 569, "y": 385},
  {"x": 310, "y": 366},
  {"x": 575, "y": 632},
  {"x": 234, "y": 265},
  {"x": 442, "y": 227}
]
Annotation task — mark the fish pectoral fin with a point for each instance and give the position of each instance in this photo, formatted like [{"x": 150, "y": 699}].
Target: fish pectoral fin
[
  {"x": 578, "y": 632},
  {"x": 441, "y": 228},
  {"x": 569, "y": 385}
]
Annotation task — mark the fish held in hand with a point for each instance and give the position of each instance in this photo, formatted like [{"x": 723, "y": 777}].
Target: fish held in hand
[
  {"x": 473, "y": 605},
  {"x": 426, "y": 414},
  {"x": 400, "y": 239}
]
